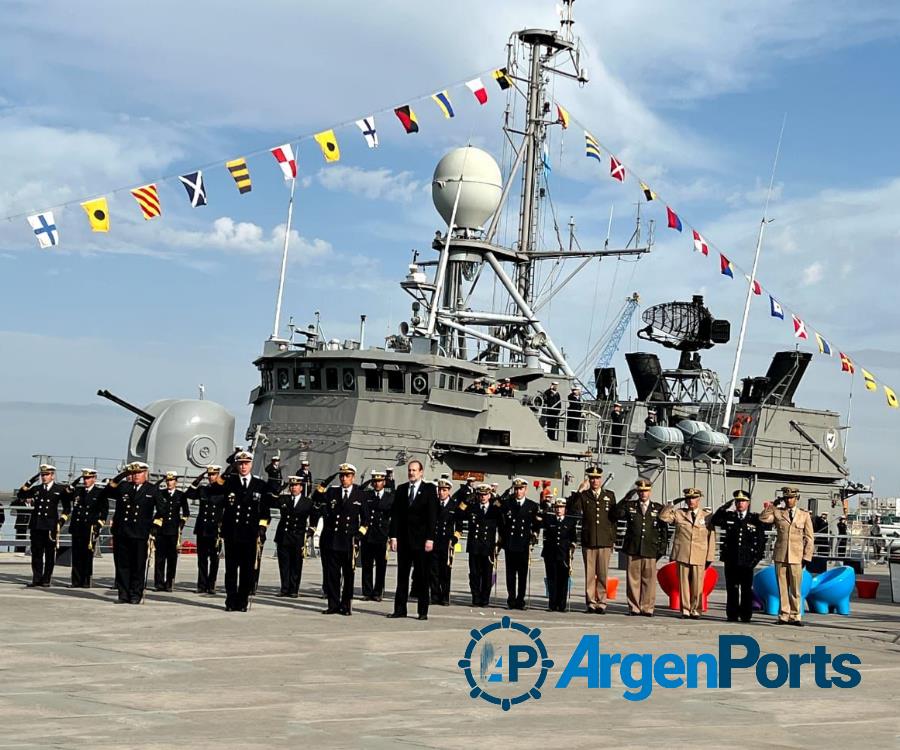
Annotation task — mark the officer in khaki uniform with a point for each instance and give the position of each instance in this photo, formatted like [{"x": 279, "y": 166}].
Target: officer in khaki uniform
[
  {"x": 596, "y": 507},
  {"x": 693, "y": 549},
  {"x": 793, "y": 549},
  {"x": 646, "y": 538}
]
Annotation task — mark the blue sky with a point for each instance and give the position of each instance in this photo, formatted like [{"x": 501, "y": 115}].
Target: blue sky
[{"x": 692, "y": 99}]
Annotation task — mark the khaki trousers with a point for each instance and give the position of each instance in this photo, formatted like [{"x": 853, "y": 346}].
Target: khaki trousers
[
  {"x": 596, "y": 565},
  {"x": 641, "y": 584},
  {"x": 789, "y": 576},
  {"x": 690, "y": 586}
]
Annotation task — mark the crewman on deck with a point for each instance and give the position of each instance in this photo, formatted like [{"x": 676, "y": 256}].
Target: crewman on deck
[
  {"x": 51, "y": 503},
  {"x": 175, "y": 513},
  {"x": 519, "y": 527},
  {"x": 291, "y": 534},
  {"x": 305, "y": 476},
  {"x": 208, "y": 527},
  {"x": 89, "y": 513},
  {"x": 743, "y": 546},
  {"x": 447, "y": 532},
  {"x": 560, "y": 534},
  {"x": 694, "y": 549},
  {"x": 552, "y": 409},
  {"x": 646, "y": 539},
  {"x": 596, "y": 507},
  {"x": 374, "y": 552},
  {"x": 484, "y": 520},
  {"x": 136, "y": 519},
  {"x": 574, "y": 416},
  {"x": 794, "y": 544}
]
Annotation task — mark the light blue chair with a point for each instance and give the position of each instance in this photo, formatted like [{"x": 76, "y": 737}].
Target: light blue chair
[
  {"x": 831, "y": 591},
  {"x": 765, "y": 586}
]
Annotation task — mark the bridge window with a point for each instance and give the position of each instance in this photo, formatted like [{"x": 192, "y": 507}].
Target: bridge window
[
  {"x": 373, "y": 380},
  {"x": 331, "y": 379},
  {"x": 284, "y": 379},
  {"x": 442, "y": 381},
  {"x": 451, "y": 382},
  {"x": 301, "y": 379},
  {"x": 348, "y": 379},
  {"x": 493, "y": 437},
  {"x": 315, "y": 379},
  {"x": 395, "y": 381}
]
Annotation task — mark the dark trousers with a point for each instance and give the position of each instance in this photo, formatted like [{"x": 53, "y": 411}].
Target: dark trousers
[
  {"x": 43, "y": 555},
  {"x": 557, "y": 573},
  {"x": 419, "y": 561},
  {"x": 552, "y": 424},
  {"x": 82, "y": 561},
  {"x": 165, "y": 561},
  {"x": 374, "y": 559},
  {"x": 481, "y": 571},
  {"x": 207, "y": 563},
  {"x": 339, "y": 575},
  {"x": 440, "y": 571},
  {"x": 739, "y": 590},
  {"x": 131, "y": 568},
  {"x": 21, "y": 533},
  {"x": 290, "y": 567},
  {"x": 240, "y": 572},
  {"x": 516, "y": 579}
]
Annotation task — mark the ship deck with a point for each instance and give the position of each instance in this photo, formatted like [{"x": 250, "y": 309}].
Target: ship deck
[{"x": 81, "y": 671}]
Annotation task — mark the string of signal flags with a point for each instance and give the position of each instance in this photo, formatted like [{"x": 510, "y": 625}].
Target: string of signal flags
[{"x": 46, "y": 231}]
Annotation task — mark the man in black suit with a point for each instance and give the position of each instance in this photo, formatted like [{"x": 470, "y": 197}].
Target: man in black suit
[
  {"x": 345, "y": 519},
  {"x": 51, "y": 506},
  {"x": 413, "y": 518}
]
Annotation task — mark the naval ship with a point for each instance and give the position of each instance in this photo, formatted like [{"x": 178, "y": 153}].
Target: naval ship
[{"x": 420, "y": 394}]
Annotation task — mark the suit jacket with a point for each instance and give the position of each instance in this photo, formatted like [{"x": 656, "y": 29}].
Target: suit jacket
[
  {"x": 88, "y": 508},
  {"x": 560, "y": 536},
  {"x": 295, "y": 514},
  {"x": 48, "y": 505},
  {"x": 448, "y": 527},
  {"x": 136, "y": 509},
  {"x": 695, "y": 542},
  {"x": 793, "y": 540},
  {"x": 519, "y": 525},
  {"x": 598, "y": 527},
  {"x": 646, "y": 534},
  {"x": 379, "y": 516},
  {"x": 246, "y": 510},
  {"x": 210, "y": 507},
  {"x": 744, "y": 542},
  {"x": 174, "y": 508},
  {"x": 413, "y": 524},
  {"x": 483, "y": 526},
  {"x": 342, "y": 519}
]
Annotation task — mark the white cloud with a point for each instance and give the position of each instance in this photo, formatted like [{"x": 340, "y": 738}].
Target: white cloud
[
  {"x": 813, "y": 274},
  {"x": 398, "y": 187}
]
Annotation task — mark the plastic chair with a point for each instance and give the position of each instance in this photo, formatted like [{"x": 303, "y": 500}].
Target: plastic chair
[
  {"x": 866, "y": 588},
  {"x": 765, "y": 586},
  {"x": 830, "y": 591},
  {"x": 668, "y": 582}
]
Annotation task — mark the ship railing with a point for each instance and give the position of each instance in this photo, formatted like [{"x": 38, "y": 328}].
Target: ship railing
[{"x": 786, "y": 455}]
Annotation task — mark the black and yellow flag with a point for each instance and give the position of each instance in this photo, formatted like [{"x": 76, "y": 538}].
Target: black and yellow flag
[
  {"x": 98, "y": 214},
  {"x": 501, "y": 76},
  {"x": 407, "y": 118},
  {"x": 241, "y": 174},
  {"x": 329, "y": 145}
]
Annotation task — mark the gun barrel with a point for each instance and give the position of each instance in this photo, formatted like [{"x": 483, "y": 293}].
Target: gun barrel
[{"x": 147, "y": 417}]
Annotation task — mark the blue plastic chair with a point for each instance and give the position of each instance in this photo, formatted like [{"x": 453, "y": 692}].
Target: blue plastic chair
[
  {"x": 765, "y": 586},
  {"x": 831, "y": 591}
]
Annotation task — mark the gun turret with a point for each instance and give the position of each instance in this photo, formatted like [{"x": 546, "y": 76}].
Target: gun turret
[{"x": 141, "y": 414}]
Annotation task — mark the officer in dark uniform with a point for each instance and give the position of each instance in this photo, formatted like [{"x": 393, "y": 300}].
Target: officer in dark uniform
[
  {"x": 574, "y": 416},
  {"x": 484, "y": 518},
  {"x": 245, "y": 518},
  {"x": 208, "y": 527},
  {"x": 23, "y": 519},
  {"x": 89, "y": 513},
  {"x": 389, "y": 481},
  {"x": 552, "y": 409},
  {"x": 51, "y": 503},
  {"x": 616, "y": 429},
  {"x": 379, "y": 501},
  {"x": 306, "y": 477},
  {"x": 646, "y": 540},
  {"x": 743, "y": 546},
  {"x": 290, "y": 536},
  {"x": 447, "y": 532},
  {"x": 518, "y": 531},
  {"x": 465, "y": 495},
  {"x": 345, "y": 519},
  {"x": 175, "y": 513},
  {"x": 274, "y": 475},
  {"x": 137, "y": 517},
  {"x": 560, "y": 537}
]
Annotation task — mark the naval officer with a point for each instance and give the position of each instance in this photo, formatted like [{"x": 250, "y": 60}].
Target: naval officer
[
  {"x": 596, "y": 506},
  {"x": 89, "y": 512},
  {"x": 175, "y": 513},
  {"x": 290, "y": 536},
  {"x": 447, "y": 532},
  {"x": 519, "y": 525},
  {"x": 51, "y": 505},
  {"x": 208, "y": 527}
]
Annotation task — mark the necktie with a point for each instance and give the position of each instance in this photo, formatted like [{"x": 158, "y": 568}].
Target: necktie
[
  {"x": 246, "y": 482},
  {"x": 694, "y": 516},
  {"x": 413, "y": 489},
  {"x": 643, "y": 510},
  {"x": 791, "y": 515},
  {"x": 346, "y": 494},
  {"x": 484, "y": 510}
]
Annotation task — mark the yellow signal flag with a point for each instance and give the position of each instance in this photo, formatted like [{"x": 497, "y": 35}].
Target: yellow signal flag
[
  {"x": 871, "y": 385},
  {"x": 98, "y": 214},
  {"x": 241, "y": 174},
  {"x": 891, "y": 397},
  {"x": 329, "y": 145}
]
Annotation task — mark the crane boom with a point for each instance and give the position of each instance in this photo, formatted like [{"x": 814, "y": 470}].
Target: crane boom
[{"x": 615, "y": 337}]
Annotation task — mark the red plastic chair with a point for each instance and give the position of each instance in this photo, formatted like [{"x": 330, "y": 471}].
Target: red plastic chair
[{"x": 668, "y": 582}]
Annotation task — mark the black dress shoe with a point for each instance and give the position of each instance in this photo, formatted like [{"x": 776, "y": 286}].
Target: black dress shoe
[
  {"x": 169, "y": 587},
  {"x": 228, "y": 608},
  {"x": 201, "y": 591},
  {"x": 599, "y": 611},
  {"x": 159, "y": 588},
  {"x": 376, "y": 598},
  {"x": 329, "y": 611},
  {"x": 647, "y": 614},
  {"x": 346, "y": 612},
  {"x": 32, "y": 585},
  {"x": 395, "y": 615},
  {"x": 779, "y": 622},
  {"x": 422, "y": 617},
  {"x": 281, "y": 593},
  {"x": 695, "y": 617},
  {"x": 731, "y": 619},
  {"x": 445, "y": 603},
  {"x": 122, "y": 601},
  {"x": 798, "y": 623},
  {"x": 295, "y": 596},
  {"x": 244, "y": 608},
  {"x": 45, "y": 585}
]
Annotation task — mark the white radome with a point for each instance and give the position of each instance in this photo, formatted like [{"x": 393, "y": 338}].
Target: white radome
[{"x": 479, "y": 176}]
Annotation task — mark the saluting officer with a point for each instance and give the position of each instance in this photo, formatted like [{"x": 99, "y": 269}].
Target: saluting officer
[
  {"x": 89, "y": 512},
  {"x": 345, "y": 520},
  {"x": 51, "y": 505},
  {"x": 447, "y": 531},
  {"x": 465, "y": 495},
  {"x": 245, "y": 518},
  {"x": 208, "y": 527},
  {"x": 175, "y": 513},
  {"x": 290, "y": 536},
  {"x": 518, "y": 531},
  {"x": 596, "y": 507},
  {"x": 137, "y": 517},
  {"x": 694, "y": 549},
  {"x": 646, "y": 538},
  {"x": 484, "y": 519},
  {"x": 794, "y": 544},
  {"x": 560, "y": 534},
  {"x": 743, "y": 546},
  {"x": 379, "y": 501}
]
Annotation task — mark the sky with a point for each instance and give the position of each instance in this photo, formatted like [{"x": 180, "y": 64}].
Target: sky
[{"x": 691, "y": 99}]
